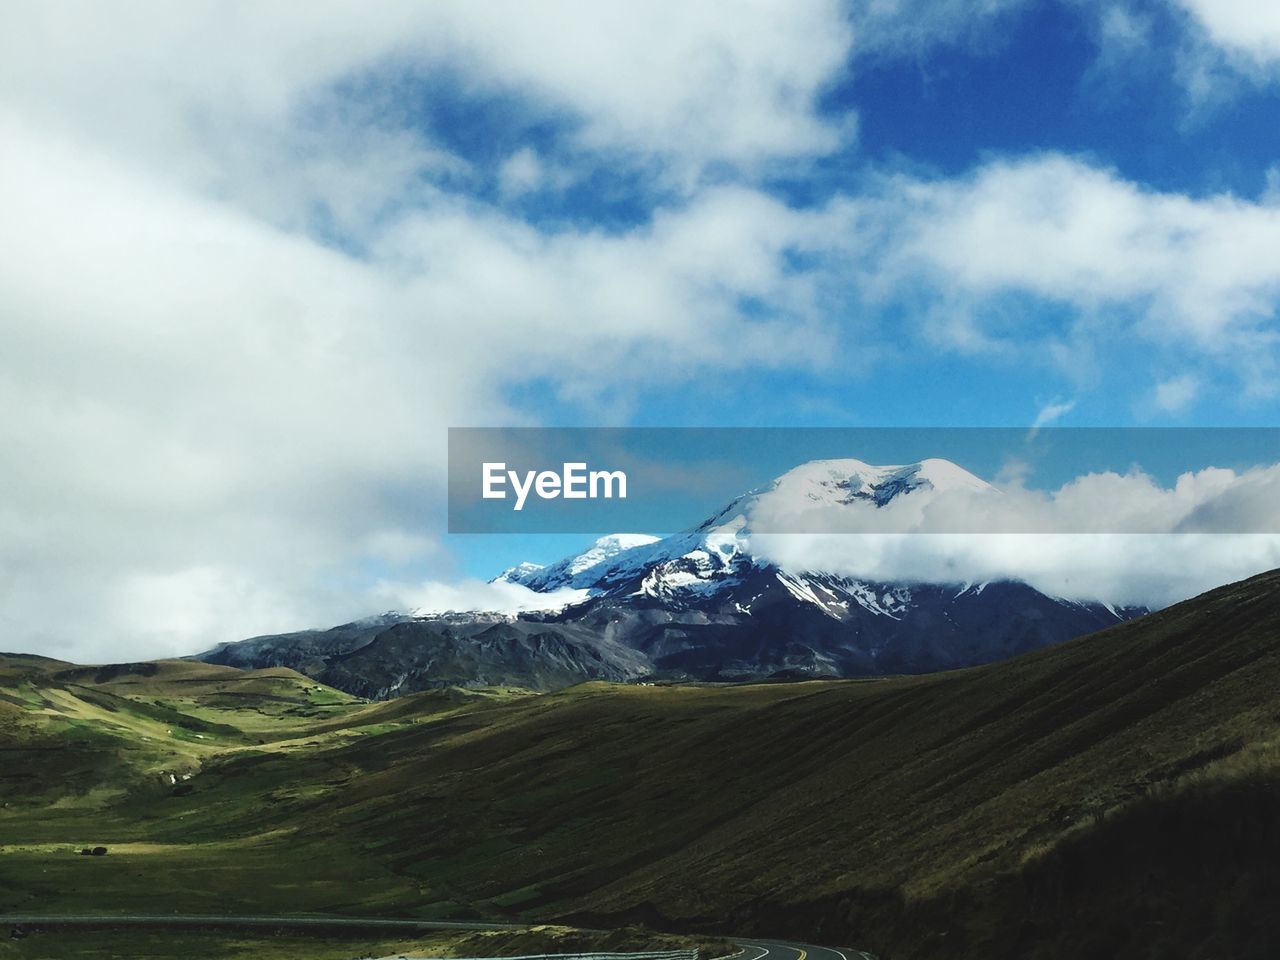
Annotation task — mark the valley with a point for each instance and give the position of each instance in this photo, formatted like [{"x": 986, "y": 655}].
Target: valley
[{"x": 1027, "y": 808}]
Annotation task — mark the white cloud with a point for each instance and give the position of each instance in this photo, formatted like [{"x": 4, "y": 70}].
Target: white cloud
[
  {"x": 528, "y": 171},
  {"x": 1196, "y": 273},
  {"x": 1211, "y": 500},
  {"x": 1117, "y": 538},
  {"x": 1125, "y": 569},
  {"x": 1051, "y": 413},
  {"x": 689, "y": 82},
  {"x": 463, "y": 596},
  {"x": 1121, "y": 29},
  {"x": 1242, "y": 27},
  {"x": 1215, "y": 49},
  {"x": 1176, "y": 394},
  {"x": 522, "y": 172},
  {"x": 209, "y": 412},
  {"x": 911, "y": 27},
  {"x": 243, "y": 292}
]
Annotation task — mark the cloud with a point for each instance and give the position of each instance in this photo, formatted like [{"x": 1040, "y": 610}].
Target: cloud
[
  {"x": 1121, "y": 30},
  {"x": 909, "y": 28},
  {"x": 1116, "y": 538},
  {"x": 1051, "y": 413},
  {"x": 246, "y": 281},
  {"x": 1185, "y": 273},
  {"x": 1244, "y": 29},
  {"x": 1176, "y": 394},
  {"x": 463, "y": 596},
  {"x": 1211, "y": 500},
  {"x": 214, "y": 422},
  {"x": 1122, "y": 569},
  {"x": 680, "y": 81},
  {"x": 526, "y": 172},
  {"x": 1218, "y": 49}
]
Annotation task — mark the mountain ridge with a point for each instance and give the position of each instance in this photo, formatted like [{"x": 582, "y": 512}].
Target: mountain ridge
[{"x": 702, "y": 605}]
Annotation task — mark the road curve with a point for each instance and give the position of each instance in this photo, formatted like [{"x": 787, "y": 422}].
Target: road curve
[{"x": 789, "y": 950}]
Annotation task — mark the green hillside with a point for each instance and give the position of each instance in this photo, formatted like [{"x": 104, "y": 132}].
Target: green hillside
[{"x": 1115, "y": 796}]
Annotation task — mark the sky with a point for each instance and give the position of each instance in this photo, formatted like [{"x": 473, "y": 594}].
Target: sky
[{"x": 256, "y": 258}]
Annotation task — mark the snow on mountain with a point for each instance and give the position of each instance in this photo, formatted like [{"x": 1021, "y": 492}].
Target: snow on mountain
[
  {"x": 711, "y": 567},
  {"x": 832, "y": 482},
  {"x": 700, "y": 605},
  {"x": 519, "y": 573},
  {"x": 853, "y": 496},
  {"x": 716, "y": 555},
  {"x": 581, "y": 571},
  {"x": 835, "y": 595},
  {"x": 848, "y": 482}
]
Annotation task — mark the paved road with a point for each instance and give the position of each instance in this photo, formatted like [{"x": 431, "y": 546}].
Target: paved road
[
  {"x": 787, "y": 950},
  {"x": 751, "y": 949}
]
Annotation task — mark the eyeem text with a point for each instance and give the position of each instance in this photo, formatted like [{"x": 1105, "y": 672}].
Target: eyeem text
[{"x": 573, "y": 482}]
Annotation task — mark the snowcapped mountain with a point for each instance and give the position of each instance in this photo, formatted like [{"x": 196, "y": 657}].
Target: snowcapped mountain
[
  {"x": 828, "y": 483},
  {"x": 701, "y": 605},
  {"x": 581, "y": 571},
  {"x": 716, "y": 555}
]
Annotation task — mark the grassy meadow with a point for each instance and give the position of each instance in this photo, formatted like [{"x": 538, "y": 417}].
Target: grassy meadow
[
  {"x": 1116, "y": 795},
  {"x": 108, "y": 942}
]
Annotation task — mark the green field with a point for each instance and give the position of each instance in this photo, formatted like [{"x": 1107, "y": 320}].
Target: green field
[
  {"x": 1115, "y": 796},
  {"x": 106, "y": 942}
]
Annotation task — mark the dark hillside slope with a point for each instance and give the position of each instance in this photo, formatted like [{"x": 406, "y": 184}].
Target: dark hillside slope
[
  {"x": 759, "y": 806},
  {"x": 387, "y": 657}
]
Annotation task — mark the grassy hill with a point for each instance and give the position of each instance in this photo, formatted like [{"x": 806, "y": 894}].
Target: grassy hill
[{"x": 1118, "y": 795}]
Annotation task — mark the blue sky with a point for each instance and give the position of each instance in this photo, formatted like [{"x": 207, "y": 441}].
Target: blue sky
[
  {"x": 259, "y": 258},
  {"x": 1040, "y": 78},
  {"x": 1046, "y": 80}
]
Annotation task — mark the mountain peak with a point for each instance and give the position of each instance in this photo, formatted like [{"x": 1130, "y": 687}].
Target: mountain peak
[
  {"x": 849, "y": 481},
  {"x": 517, "y": 574},
  {"x": 608, "y": 547},
  {"x": 580, "y": 570},
  {"x": 703, "y": 604},
  {"x": 717, "y": 552},
  {"x": 837, "y": 483}
]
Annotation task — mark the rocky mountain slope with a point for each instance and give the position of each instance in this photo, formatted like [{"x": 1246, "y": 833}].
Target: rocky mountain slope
[{"x": 703, "y": 605}]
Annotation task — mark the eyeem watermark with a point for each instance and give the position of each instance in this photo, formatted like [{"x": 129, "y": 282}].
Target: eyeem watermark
[
  {"x": 864, "y": 480},
  {"x": 573, "y": 482}
]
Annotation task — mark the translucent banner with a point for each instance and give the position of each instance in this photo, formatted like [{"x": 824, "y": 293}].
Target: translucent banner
[{"x": 864, "y": 480}]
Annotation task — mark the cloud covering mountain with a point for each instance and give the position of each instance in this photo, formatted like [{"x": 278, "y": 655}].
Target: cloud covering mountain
[
  {"x": 1122, "y": 539},
  {"x": 702, "y": 605}
]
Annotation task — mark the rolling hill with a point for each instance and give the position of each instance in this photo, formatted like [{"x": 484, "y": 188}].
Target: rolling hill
[{"x": 1116, "y": 795}]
